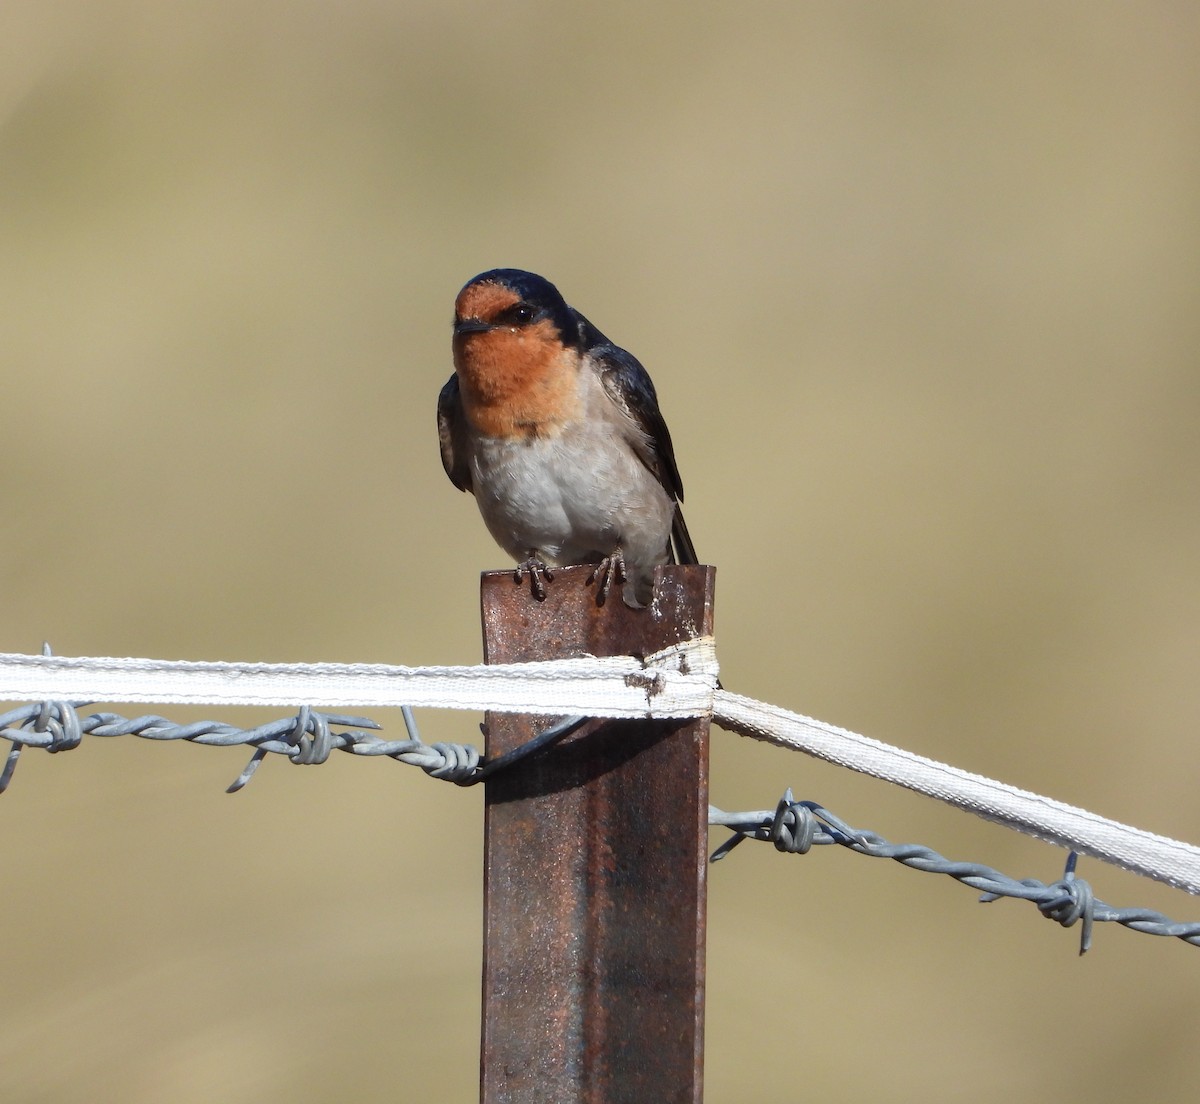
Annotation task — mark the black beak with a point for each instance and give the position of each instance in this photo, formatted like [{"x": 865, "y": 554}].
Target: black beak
[{"x": 470, "y": 326}]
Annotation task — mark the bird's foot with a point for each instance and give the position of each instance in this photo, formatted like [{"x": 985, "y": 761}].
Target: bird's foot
[
  {"x": 539, "y": 575},
  {"x": 609, "y": 570}
]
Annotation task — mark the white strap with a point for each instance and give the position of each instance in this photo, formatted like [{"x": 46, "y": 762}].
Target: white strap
[{"x": 676, "y": 682}]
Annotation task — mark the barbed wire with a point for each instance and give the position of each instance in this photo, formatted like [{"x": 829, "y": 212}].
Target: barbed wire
[
  {"x": 309, "y": 737},
  {"x": 796, "y": 827}
]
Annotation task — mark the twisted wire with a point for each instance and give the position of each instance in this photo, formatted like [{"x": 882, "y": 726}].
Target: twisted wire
[
  {"x": 307, "y": 738},
  {"x": 797, "y": 826}
]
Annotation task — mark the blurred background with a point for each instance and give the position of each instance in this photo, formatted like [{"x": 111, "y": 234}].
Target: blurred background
[{"x": 919, "y": 285}]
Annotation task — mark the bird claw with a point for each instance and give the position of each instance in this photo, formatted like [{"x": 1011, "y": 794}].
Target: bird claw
[
  {"x": 539, "y": 575},
  {"x": 611, "y": 569}
]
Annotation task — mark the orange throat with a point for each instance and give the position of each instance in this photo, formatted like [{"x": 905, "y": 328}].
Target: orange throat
[{"x": 517, "y": 384}]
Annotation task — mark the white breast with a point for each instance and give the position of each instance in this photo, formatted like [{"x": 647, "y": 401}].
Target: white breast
[{"x": 575, "y": 496}]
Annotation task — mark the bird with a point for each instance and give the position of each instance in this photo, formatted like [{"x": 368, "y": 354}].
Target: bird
[{"x": 557, "y": 433}]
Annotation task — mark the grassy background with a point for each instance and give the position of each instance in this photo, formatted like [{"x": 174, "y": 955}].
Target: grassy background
[{"x": 919, "y": 285}]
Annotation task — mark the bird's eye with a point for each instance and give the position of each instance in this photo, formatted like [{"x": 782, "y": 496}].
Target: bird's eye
[{"x": 519, "y": 314}]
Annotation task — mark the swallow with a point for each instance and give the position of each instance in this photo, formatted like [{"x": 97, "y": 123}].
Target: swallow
[{"x": 557, "y": 433}]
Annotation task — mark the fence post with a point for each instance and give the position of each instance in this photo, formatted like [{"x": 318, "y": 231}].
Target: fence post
[{"x": 594, "y": 866}]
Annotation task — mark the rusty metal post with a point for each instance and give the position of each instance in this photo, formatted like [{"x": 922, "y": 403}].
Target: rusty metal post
[{"x": 594, "y": 867}]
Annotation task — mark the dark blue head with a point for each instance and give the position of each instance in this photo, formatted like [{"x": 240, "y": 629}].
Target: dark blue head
[{"x": 512, "y": 298}]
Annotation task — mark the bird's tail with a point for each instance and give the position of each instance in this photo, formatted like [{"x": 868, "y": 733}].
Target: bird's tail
[{"x": 681, "y": 539}]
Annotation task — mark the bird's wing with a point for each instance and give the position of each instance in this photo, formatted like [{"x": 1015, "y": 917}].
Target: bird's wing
[
  {"x": 630, "y": 388},
  {"x": 452, "y": 435}
]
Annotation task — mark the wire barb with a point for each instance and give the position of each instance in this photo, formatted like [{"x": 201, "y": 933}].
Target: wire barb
[{"x": 55, "y": 719}]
